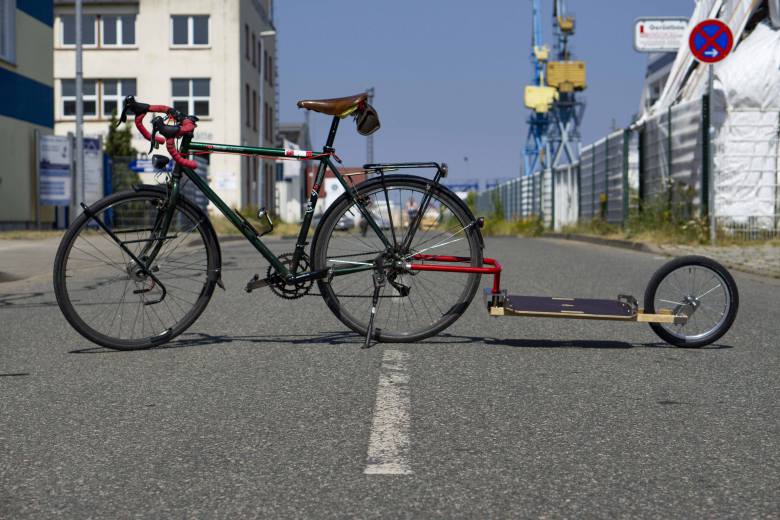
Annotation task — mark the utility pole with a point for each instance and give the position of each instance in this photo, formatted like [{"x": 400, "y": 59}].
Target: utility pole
[
  {"x": 370, "y": 138},
  {"x": 78, "y": 192},
  {"x": 262, "y": 188}
]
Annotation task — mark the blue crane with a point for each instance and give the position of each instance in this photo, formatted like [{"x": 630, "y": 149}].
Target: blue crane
[
  {"x": 535, "y": 97},
  {"x": 556, "y": 110}
]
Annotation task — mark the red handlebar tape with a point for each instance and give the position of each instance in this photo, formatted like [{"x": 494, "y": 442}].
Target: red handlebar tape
[
  {"x": 187, "y": 163},
  {"x": 186, "y": 127}
]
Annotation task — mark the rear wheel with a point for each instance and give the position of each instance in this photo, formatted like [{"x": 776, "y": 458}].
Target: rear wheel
[
  {"x": 700, "y": 288},
  {"x": 108, "y": 299},
  {"x": 413, "y": 305}
]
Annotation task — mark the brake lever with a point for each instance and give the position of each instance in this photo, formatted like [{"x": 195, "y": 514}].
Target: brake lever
[
  {"x": 123, "y": 115},
  {"x": 156, "y": 122}
]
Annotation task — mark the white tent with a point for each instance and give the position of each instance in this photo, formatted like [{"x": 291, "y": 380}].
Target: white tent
[{"x": 745, "y": 107}]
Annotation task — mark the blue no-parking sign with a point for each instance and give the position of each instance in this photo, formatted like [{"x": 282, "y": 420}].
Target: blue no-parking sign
[{"x": 711, "y": 41}]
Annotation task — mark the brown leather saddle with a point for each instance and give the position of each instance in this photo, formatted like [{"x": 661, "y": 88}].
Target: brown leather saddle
[{"x": 341, "y": 107}]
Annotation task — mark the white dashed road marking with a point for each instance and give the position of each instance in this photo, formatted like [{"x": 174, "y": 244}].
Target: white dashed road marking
[{"x": 388, "y": 446}]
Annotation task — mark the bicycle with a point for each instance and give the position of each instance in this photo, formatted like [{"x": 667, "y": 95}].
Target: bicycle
[
  {"x": 392, "y": 241},
  {"x": 137, "y": 268}
]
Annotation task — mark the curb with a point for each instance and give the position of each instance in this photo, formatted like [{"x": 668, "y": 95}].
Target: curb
[
  {"x": 645, "y": 248},
  {"x": 8, "y": 277},
  {"x": 613, "y": 242}
]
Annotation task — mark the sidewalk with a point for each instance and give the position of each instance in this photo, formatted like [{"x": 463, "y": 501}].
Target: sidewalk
[
  {"x": 21, "y": 259},
  {"x": 763, "y": 260}
]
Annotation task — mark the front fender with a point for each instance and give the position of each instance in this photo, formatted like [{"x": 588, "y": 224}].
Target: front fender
[{"x": 208, "y": 227}]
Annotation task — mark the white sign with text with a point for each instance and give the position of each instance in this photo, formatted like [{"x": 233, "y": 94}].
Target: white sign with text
[{"x": 659, "y": 34}]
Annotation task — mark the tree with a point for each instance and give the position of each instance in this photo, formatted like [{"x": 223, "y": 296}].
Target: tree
[
  {"x": 119, "y": 139},
  {"x": 120, "y": 151}
]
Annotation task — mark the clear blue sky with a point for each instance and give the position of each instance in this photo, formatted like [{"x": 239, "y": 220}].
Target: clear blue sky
[{"x": 449, "y": 74}]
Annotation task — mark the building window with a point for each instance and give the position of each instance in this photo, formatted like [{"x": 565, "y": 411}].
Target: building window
[
  {"x": 8, "y": 30},
  {"x": 254, "y": 110},
  {"x": 267, "y": 123},
  {"x": 246, "y": 41},
  {"x": 270, "y": 70},
  {"x": 265, "y": 65},
  {"x": 191, "y": 96},
  {"x": 68, "y": 30},
  {"x": 248, "y": 106},
  {"x": 259, "y": 53},
  {"x": 118, "y": 30},
  {"x": 68, "y": 97},
  {"x": 189, "y": 31},
  {"x": 254, "y": 54},
  {"x": 113, "y": 92}
]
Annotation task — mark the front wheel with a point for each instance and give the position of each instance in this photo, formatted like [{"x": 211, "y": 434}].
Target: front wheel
[
  {"x": 413, "y": 305},
  {"x": 112, "y": 301},
  {"x": 699, "y": 288}
]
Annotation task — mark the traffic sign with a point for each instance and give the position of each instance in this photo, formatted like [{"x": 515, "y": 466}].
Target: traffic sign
[{"x": 711, "y": 41}]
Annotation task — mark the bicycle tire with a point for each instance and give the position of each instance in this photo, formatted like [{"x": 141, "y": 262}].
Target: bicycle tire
[
  {"x": 79, "y": 225},
  {"x": 731, "y": 298},
  {"x": 453, "y": 309}
]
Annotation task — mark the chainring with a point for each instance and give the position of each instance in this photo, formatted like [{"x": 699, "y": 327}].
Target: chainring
[{"x": 290, "y": 291}]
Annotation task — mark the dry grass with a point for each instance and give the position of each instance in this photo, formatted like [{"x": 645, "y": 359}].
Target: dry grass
[
  {"x": 530, "y": 227},
  {"x": 224, "y": 227},
  {"x": 29, "y": 234},
  {"x": 692, "y": 233}
]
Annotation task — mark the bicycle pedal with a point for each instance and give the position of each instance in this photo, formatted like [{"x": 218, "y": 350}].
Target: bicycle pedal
[{"x": 256, "y": 283}]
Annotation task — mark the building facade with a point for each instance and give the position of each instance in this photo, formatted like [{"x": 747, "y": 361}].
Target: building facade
[
  {"x": 291, "y": 176},
  {"x": 658, "y": 67},
  {"x": 27, "y": 106},
  {"x": 216, "y": 60}
]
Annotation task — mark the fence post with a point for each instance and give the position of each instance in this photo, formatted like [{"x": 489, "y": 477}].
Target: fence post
[
  {"x": 704, "y": 203},
  {"x": 605, "y": 198},
  {"x": 579, "y": 190},
  {"x": 593, "y": 182},
  {"x": 669, "y": 142},
  {"x": 626, "y": 138},
  {"x": 641, "y": 173},
  {"x": 552, "y": 199},
  {"x": 541, "y": 195},
  {"x": 670, "y": 180}
]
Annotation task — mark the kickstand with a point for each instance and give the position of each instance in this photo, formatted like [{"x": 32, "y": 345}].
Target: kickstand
[{"x": 379, "y": 282}]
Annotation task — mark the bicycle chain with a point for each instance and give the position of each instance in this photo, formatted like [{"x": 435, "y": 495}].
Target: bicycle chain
[{"x": 290, "y": 291}]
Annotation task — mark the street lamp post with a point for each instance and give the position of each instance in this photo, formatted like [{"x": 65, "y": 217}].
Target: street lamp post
[
  {"x": 78, "y": 192},
  {"x": 264, "y": 34}
]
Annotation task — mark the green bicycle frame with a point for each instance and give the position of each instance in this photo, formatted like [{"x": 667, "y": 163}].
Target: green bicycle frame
[{"x": 241, "y": 224}]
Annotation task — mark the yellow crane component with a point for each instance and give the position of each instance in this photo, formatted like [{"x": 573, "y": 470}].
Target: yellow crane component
[
  {"x": 566, "y": 24},
  {"x": 566, "y": 76},
  {"x": 541, "y": 52},
  {"x": 540, "y": 99}
]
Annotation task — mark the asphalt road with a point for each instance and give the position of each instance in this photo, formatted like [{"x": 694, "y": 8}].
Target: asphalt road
[{"x": 265, "y": 409}]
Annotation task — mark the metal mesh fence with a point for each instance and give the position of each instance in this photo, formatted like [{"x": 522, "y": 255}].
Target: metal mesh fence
[
  {"x": 521, "y": 198},
  {"x": 587, "y": 196},
  {"x": 673, "y": 158},
  {"x": 664, "y": 163}
]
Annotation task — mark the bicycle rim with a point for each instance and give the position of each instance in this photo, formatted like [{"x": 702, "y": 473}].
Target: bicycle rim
[
  {"x": 108, "y": 298},
  {"x": 434, "y": 299}
]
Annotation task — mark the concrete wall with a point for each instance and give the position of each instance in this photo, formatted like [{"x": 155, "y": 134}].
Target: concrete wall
[{"x": 25, "y": 87}]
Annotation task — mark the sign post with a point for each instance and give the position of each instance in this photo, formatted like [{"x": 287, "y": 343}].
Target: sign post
[
  {"x": 710, "y": 41},
  {"x": 54, "y": 170}
]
